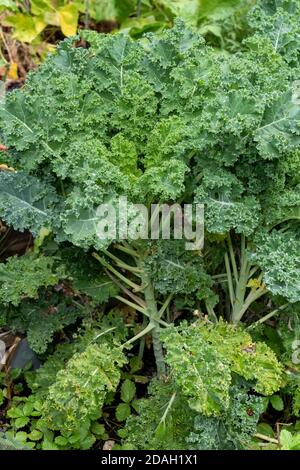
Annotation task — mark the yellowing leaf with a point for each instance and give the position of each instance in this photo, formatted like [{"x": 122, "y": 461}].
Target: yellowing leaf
[
  {"x": 50, "y": 47},
  {"x": 43, "y": 233},
  {"x": 26, "y": 28},
  {"x": 39, "y": 7},
  {"x": 13, "y": 71},
  {"x": 4, "y": 167},
  {"x": 39, "y": 24},
  {"x": 68, "y": 19},
  {"x": 52, "y": 17},
  {"x": 255, "y": 283}
]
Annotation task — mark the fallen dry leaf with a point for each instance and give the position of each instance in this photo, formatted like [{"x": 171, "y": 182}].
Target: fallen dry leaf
[
  {"x": 12, "y": 73},
  {"x": 108, "y": 445}
]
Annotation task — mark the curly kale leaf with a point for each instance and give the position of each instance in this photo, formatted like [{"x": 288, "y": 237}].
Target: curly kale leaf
[
  {"x": 40, "y": 320},
  {"x": 162, "y": 183},
  {"x": 80, "y": 226},
  {"x": 165, "y": 421},
  {"x": 79, "y": 391},
  {"x": 26, "y": 202},
  {"x": 100, "y": 289},
  {"x": 132, "y": 118},
  {"x": 162, "y": 423},
  {"x": 233, "y": 430},
  {"x": 278, "y": 255},
  {"x": 21, "y": 277},
  {"x": 111, "y": 327},
  {"x": 255, "y": 362},
  {"x": 161, "y": 119},
  {"x": 85, "y": 275},
  {"x": 285, "y": 206},
  {"x": 279, "y": 130},
  {"x": 226, "y": 206},
  {"x": 203, "y": 358},
  {"x": 278, "y": 20},
  {"x": 288, "y": 329},
  {"x": 173, "y": 269},
  {"x": 198, "y": 370}
]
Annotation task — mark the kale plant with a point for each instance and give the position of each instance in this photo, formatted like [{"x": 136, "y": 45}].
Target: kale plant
[{"x": 165, "y": 119}]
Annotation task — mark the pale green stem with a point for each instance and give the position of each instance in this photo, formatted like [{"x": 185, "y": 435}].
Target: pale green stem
[
  {"x": 153, "y": 314},
  {"x": 211, "y": 313},
  {"x": 252, "y": 297},
  {"x": 269, "y": 315},
  {"x": 165, "y": 305},
  {"x": 130, "y": 247},
  {"x": 87, "y": 14},
  {"x": 158, "y": 352},
  {"x": 168, "y": 408},
  {"x": 128, "y": 251},
  {"x": 139, "y": 8},
  {"x": 229, "y": 277},
  {"x": 138, "y": 308},
  {"x": 253, "y": 271},
  {"x": 143, "y": 340},
  {"x": 150, "y": 310},
  {"x": 141, "y": 334},
  {"x": 219, "y": 276},
  {"x": 238, "y": 308},
  {"x": 103, "y": 333},
  {"x": 266, "y": 438},
  {"x": 232, "y": 258},
  {"x": 128, "y": 292},
  {"x": 122, "y": 264},
  {"x": 132, "y": 304},
  {"x": 115, "y": 272}
]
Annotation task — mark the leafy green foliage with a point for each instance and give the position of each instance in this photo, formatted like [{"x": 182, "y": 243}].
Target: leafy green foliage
[
  {"x": 123, "y": 126},
  {"x": 221, "y": 22},
  {"x": 165, "y": 119},
  {"x": 175, "y": 270},
  {"x": 234, "y": 429},
  {"x": 9, "y": 443},
  {"x": 151, "y": 428},
  {"x": 79, "y": 391},
  {"x": 25, "y": 201},
  {"x": 278, "y": 254},
  {"x": 111, "y": 325},
  {"x": 278, "y": 21},
  {"x": 21, "y": 277},
  {"x": 86, "y": 277},
  {"x": 67, "y": 388},
  {"x": 204, "y": 357},
  {"x": 289, "y": 441},
  {"x": 165, "y": 421},
  {"x": 289, "y": 332},
  {"x": 228, "y": 210},
  {"x": 3, "y": 389},
  {"x": 277, "y": 402},
  {"x": 127, "y": 394},
  {"x": 29, "y": 24},
  {"x": 40, "y": 320}
]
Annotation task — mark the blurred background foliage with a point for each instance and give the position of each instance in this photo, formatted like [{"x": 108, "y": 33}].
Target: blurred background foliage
[{"x": 30, "y": 29}]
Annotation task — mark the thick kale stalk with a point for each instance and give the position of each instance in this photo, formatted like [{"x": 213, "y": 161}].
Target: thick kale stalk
[
  {"x": 151, "y": 306},
  {"x": 243, "y": 288},
  {"x": 142, "y": 296}
]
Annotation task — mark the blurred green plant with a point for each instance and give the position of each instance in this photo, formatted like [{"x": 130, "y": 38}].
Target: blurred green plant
[{"x": 39, "y": 24}]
